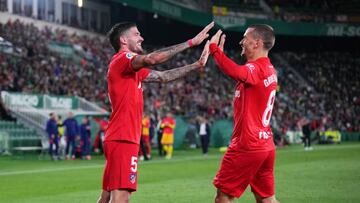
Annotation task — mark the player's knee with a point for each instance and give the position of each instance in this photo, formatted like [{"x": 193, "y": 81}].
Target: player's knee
[
  {"x": 104, "y": 197},
  {"x": 223, "y": 198},
  {"x": 120, "y": 196}
]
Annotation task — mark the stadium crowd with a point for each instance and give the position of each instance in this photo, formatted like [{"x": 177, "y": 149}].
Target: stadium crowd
[
  {"x": 331, "y": 97},
  {"x": 316, "y": 11}
]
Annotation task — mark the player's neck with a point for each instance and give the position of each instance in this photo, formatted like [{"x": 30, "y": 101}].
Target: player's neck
[
  {"x": 124, "y": 48},
  {"x": 258, "y": 55}
]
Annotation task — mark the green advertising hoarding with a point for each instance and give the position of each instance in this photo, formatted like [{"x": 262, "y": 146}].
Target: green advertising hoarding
[{"x": 40, "y": 101}]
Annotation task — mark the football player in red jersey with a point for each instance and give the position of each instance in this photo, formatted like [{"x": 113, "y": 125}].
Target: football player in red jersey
[
  {"x": 250, "y": 157},
  {"x": 127, "y": 70}
]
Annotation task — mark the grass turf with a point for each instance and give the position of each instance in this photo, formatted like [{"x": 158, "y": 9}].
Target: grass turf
[{"x": 327, "y": 174}]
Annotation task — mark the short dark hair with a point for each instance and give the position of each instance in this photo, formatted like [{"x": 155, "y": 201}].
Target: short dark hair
[
  {"x": 116, "y": 31},
  {"x": 266, "y": 33}
]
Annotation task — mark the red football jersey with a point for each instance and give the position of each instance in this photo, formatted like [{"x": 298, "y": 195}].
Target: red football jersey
[
  {"x": 126, "y": 98},
  {"x": 253, "y": 101}
]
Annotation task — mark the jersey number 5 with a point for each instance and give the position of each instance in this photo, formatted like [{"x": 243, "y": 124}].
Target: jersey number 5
[
  {"x": 134, "y": 164},
  {"x": 269, "y": 107}
]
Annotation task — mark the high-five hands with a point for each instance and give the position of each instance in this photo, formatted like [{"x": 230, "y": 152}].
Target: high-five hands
[
  {"x": 199, "y": 38},
  {"x": 204, "y": 55},
  {"x": 219, "y": 40},
  {"x": 222, "y": 42}
]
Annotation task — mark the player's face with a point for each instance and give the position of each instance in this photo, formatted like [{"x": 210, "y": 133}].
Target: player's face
[
  {"x": 248, "y": 43},
  {"x": 134, "y": 40}
]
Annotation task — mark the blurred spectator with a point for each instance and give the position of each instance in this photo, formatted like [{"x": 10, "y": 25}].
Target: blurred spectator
[
  {"x": 306, "y": 130},
  {"x": 53, "y": 134},
  {"x": 72, "y": 135},
  {"x": 203, "y": 129},
  {"x": 145, "y": 152},
  {"x": 98, "y": 142},
  {"x": 85, "y": 135}
]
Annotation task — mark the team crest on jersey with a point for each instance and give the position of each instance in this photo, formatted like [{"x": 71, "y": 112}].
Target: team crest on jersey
[
  {"x": 250, "y": 66},
  {"x": 237, "y": 93},
  {"x": 129, "y": 55},
  {"x": 133, "y": 178}
]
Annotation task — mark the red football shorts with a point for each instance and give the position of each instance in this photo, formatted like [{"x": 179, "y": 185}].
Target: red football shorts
[
  {"x": 238, "y": 170},
  {"x": 121, "y": 166}
]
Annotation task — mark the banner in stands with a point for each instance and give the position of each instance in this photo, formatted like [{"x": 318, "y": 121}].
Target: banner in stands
[
  {"x": 39, "y": 101},
  {"x": 239, "y": 24},
  {"x": 18, "y": 99},
  {"x": 60, "y": 102},
  {"x": 61, "y": 48}
]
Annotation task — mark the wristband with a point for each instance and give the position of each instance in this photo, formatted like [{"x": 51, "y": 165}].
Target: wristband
[{"x": 190, "y": 43}]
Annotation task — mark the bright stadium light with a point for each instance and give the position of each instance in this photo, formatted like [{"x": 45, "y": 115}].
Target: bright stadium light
[{"x": 80, "y": 3}]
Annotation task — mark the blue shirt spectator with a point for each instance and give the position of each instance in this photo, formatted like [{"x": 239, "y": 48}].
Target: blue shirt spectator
[
  {"x": 71, "y": 127},
  {"x": 52, "y": 127}
]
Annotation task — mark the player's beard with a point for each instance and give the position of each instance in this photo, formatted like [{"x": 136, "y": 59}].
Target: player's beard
[{"x": 136, "y": 48}]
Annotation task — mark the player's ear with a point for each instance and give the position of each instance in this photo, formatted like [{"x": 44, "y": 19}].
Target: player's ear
[
  {"x": 122, "y": 40},
  {"x": 260, "y": 43}
]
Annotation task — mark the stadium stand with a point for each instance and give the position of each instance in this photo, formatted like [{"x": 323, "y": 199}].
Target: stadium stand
[
  {"x": 62, "y": 76},
  {"x": 316, "y": 11},
  {"x": 322, "y": 86}
]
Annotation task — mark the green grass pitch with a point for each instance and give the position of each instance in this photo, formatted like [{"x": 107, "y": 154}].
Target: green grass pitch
[{"x": 325, "y": 175}]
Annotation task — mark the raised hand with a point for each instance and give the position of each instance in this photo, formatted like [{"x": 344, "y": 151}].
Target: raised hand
[
  {"x": 216, "y": 37},
  {"x": 222, "y": 42},
  {"x": 199, "y": 38},
  {"x": 204, "y": 55}
]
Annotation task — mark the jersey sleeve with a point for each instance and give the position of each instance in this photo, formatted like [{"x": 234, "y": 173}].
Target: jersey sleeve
[
  {"x": 248, "y": 73},
  {"x": 123, "y": 63},
  {"x": 143, "y": 73}
]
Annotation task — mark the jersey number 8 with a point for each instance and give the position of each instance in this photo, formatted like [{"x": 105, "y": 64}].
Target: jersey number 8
[{"x": 269, "y": 107}]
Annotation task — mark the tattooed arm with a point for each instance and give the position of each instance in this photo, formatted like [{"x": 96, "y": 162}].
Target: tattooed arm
[
  {"x": 170, "y": 75},
  {"x": 159, "y": 56},
  {"x": 162, "y": 55},
  {"x": 173, "y": 74}
]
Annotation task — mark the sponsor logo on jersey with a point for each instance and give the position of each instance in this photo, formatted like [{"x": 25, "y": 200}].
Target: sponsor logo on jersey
[
  {"x": 129, "y": 55},
  {"x": 265, "y": 135},
  {"x": 250, "y": 66},
  {"x": 272, "y": 78},
  {"x": 237, "y": 93},
  {"x": 132, "y": 178}
]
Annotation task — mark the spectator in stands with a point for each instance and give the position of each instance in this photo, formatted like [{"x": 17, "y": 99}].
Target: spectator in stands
[
  {"x": 53, "y": 135},
  {"x": 145, "y": 151},
  {"x": 72, "y": 135},
  {"x": 160, "y": 130},
  {"x": 306, "y": 130},
  {"x": 203, "y": 129},
  {"x": 62, "y": 140},
  {"x": 85, "y": 135},
  {"x": 98, "y": 142}
]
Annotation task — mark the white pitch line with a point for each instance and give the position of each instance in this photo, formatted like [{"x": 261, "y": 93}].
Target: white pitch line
[{"x": 47, "y": 170}]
